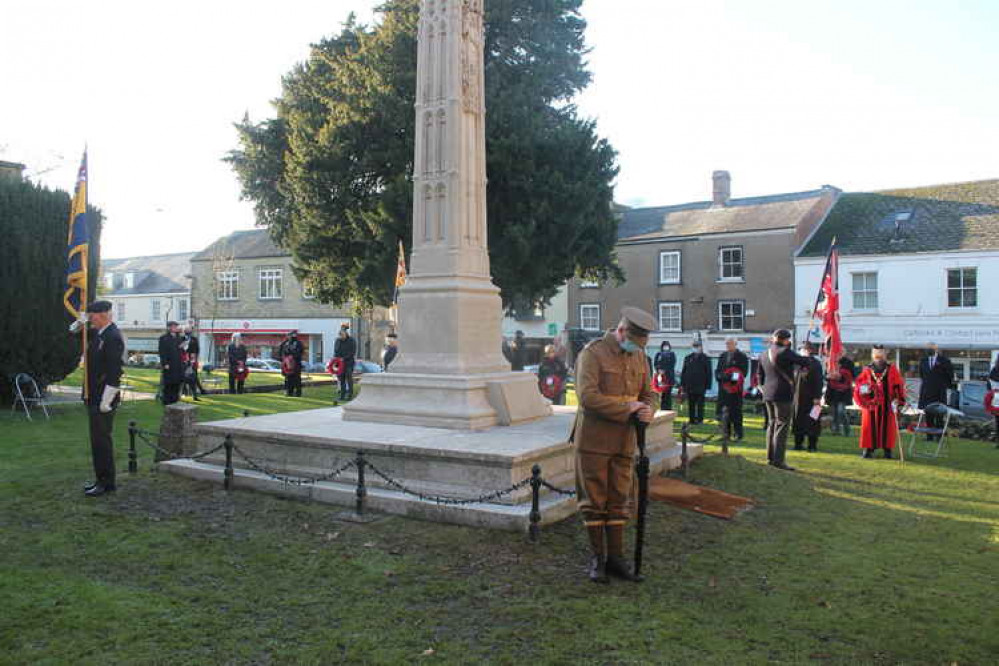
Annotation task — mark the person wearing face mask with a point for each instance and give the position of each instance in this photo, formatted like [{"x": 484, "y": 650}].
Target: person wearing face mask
[
  {"x": 937, "y": 375},
  {"x": 733, "y": 366},
  {"x": 665, "y": 367},
  {"x": 171, "y": 366},
  {"x": 880, "y": 393},
  {"x": 290, "y": 352},
  {"x": 695, "y": 380},
  {"x": 774, "y": 370},
  {"x": 612, "y": 385}
]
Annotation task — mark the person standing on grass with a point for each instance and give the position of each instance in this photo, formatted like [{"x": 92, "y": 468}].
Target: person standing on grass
[
  {"x": 992, "y": 398},
  {"x": 936, "y": 374},
  {"x": 808, "y": 401},
  {"x": 236, "y": 359},
  {"x": 839, "y": 395},
  {"x": 191, "y": 351},
  {"x": 880, "y": 393},
  {"x": 105, "y": 354},
  {"x": 290, "y": 352},
  {"x": 733, "y": 366},
  {"x": 665, "y": 367},
  {"x": 695, "y": 380},
  {"x": 552, "y": 376},
  {"x": 774, "y": 369},
  {"x": 171, "y": 365},
  {"x": 612, "y": 384},
  {"x": 345, "y": 349}
]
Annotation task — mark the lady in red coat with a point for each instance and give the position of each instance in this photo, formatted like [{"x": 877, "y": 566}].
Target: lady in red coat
[{"x": 879, "y": 392}]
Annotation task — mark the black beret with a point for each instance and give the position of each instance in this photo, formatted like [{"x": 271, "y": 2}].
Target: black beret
[
  {"x": 782, "y": 334},
  {"x": 99, "y": 306},
  {"x": 172, "y": 323}
]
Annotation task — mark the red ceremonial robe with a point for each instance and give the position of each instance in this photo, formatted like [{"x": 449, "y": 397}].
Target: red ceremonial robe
[{"x": 879, "y": 424}]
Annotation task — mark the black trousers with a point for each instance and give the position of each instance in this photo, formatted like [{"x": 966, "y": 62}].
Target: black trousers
[
  {"x": 193, "y": 384},
  {"x": 997, "y": 429},
  {"x": 101, "y": 445},
  {"x": 732, "y": 404},
  {"x": 171, "y": 393},
  {"x": 235, "y": 385},
  {"x": 347, "y": 380},
  {"x": 778, "y": 425},
  {"x": 293, "y": 384},
  {"x": 696, "y": 403},
  {"x": 666, "y": 401}
]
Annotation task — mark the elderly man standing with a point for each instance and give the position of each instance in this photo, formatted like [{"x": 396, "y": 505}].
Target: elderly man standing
[
  {"x": 613, "y": 385},
  {"x": 937, "y": 374},
  {"x": 732, "y": 370},
  {"x": 105, "y": 353},
  {"x": 774, "y": 371},
  {"x": 170, "y": 363}
]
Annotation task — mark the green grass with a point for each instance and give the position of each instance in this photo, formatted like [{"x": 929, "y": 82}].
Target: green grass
[
  {"x": 147, "y": 380},
  {"x": 848, "y": 561}
]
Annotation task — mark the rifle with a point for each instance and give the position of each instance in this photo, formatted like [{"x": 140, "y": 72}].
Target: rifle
[{"x": 643, "y": 492}]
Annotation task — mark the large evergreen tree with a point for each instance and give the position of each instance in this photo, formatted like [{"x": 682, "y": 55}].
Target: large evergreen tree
[
  {"x": 331, "y": 174},
  {"x": 33, "y": 226}
]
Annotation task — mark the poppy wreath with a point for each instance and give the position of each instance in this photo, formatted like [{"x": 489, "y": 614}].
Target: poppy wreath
[
  {"x": 242, "y": 372},
  {"x": 335, "y": 366},
  {"x": 991, "y": 399},
  {"x": 733, "y": 386},
  {"x": 873, "y": 398},
  {"x": 661, "y": 385},
  {"x": 551, "y": 386}
]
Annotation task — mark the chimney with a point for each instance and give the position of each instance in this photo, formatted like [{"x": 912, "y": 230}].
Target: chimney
[{"x": 722, "y": 188}]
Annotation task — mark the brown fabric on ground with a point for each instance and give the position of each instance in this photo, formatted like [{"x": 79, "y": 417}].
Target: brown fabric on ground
[{"x": 704, "y": 500}]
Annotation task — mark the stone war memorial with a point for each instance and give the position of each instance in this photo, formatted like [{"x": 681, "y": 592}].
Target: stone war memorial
[{"x": 450, "y": 420}]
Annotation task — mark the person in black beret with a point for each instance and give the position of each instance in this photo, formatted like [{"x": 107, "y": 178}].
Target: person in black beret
[
  {"x": 105, "y": 356},
  {"x": 171, "y": 365},
  {"x": 774, "y": 377}
]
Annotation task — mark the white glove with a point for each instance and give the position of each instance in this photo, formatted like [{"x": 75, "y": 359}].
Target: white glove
[
  {"x": 109, "y": 394},
  {"x": 78, "y": 323}
]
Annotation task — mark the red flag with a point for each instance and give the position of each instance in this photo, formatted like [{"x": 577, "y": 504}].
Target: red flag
[{"x": 827, "y": 310}]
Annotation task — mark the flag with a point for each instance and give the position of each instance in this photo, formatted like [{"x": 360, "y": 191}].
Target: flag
[
  {"x": 400, "y": 273},
  {"x": 827, "y": 311},
  {"x": 78, "y": 247}
]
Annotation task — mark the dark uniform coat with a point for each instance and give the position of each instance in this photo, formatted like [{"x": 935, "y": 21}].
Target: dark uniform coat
[
  {"x": 695, "y": 378},
  {"x": 294, "y": 349},
  {"x": 173, "y": 368},
  {"x": 105, "y": 356},
  {"x": 607, "y": 379},
  {"x": 666, "y": 362},
  {"x": 807, "y": 389},
  {"x": 937, "y": 375}
]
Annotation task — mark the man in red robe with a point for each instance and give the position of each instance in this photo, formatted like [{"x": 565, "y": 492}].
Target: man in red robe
[{"x": 879, "y": 392}]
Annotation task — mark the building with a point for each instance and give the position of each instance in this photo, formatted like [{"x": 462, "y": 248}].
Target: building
[
  {"x": 541, "y": 325},
  {"x": 708, "y": 270},
  {"x": 147, "y": 292},
  {"x": 244, "y": 283},
  {"x": 915, "y": 266},
  {"x": 14, "y": 170}
]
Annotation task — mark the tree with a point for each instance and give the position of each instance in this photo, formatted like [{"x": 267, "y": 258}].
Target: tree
[
  {"x": 331, "y": 174},
  {"x": 33, "y": 225}
]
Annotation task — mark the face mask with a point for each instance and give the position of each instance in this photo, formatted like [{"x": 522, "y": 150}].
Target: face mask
[{"x": 630, "y": 346}]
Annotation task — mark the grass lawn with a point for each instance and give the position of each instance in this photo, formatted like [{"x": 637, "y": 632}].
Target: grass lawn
[
  {"x": 848, "y": 561},
  {"x": 147, "y": 380}
]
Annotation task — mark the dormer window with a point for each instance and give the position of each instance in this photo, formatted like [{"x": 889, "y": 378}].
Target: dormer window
[{"x": 129, "y": 280}]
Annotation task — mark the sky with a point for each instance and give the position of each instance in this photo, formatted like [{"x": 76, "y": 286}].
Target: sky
[{"x": 785, "y": 95}]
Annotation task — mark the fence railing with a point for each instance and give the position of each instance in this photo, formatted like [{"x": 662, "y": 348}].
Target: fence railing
[{"x": 360, "y": 464}]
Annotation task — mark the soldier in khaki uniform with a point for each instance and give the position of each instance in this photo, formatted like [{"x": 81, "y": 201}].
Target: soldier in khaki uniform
[{"x": 612, "y": 384}]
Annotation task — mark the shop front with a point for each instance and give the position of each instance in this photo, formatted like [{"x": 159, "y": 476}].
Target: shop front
[{"x": 263, "y": 337}]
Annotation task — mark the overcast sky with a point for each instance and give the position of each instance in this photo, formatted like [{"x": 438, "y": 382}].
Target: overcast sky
[{"x": 786, "y": 95}]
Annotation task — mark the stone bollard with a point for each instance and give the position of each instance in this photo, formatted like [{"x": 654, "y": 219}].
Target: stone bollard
[{"x": 177, "y": 431}]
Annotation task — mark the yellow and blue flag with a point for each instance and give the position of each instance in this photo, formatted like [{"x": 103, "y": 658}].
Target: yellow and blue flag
[{"x": 78, "y": 247}]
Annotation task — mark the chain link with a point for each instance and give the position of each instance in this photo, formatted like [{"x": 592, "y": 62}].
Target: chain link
[
  {"x": 449, "y": 501},
  {"x": 560, "y": 491},
  {"x": 144, "y": 435}
]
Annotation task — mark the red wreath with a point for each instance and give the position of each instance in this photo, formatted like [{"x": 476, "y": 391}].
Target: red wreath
[
  {"x": 874, "y": 399},
  {"x": 661, "y": 385},
  {"x": 990, "y": 402},
  {"x": 242, "y": 372},
  {"x": 733, "y": 386},
  {"x": 335, "y": 366},
  {"x": 289, "y": 365},
  {"x": 551, "y": 386}
]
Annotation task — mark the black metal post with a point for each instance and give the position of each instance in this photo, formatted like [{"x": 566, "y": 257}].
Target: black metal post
[
  {"x": 227, "y": 484},
  {"x": 684, "y": 435},
  {"x": 535, "y": 517},
  {"x": 133, "y": 460},
  {"x": 246, "y": 413},
  {"x": 362, "y": 490},
  {"x": 726, "y": 426},
  {"x": 643, "y": 495}
]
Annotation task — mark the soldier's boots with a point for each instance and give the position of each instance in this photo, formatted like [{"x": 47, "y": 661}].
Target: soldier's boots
[
  {"x": 617, "y": 565},
  {"x": 598, "y": 563}
]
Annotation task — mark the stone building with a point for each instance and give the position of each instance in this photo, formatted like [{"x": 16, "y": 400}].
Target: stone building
[
  {"x": 707, "y": 270},
  {"x": 244, "y": 283},
  {"x": 147, "y": 292}
]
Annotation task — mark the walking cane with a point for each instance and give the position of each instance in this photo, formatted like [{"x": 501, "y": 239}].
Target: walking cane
[{"x": 643, "y": 493}]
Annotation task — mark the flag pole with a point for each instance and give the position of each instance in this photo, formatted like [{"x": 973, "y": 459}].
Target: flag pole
[
  {"x": 818, "y": 296},
  {"x": 86, "y": 271}
]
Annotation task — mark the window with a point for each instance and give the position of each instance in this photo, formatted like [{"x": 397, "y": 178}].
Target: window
[
  {"x": 270, "y": 283},
  {"x": 731, "y": 315},
  {"x": 182, "y": 310},
  {"x": 962, "y": 288},
  {"x": 109, "y": 280},
  {"x": 156, "y": 315},
  {"x": 730, "y": 264},
  {"x": 308, "y": 292},
  {"x": 589, "y": 317},
  {"x": 671, "y": 317},
  {"x": 119, "y": 310},
  {"x": 669, "y": 267},
  {"x": 227, "y": 285},
  {"x": 129, "y": 280},
  {"x": 865, "y": 291}
]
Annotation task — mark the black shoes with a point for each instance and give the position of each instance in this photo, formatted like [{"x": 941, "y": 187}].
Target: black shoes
[
  {"x": 783, "y": 466},
  {"x": 887, "y": 454},
  {"x": 799, "y": 447},
  {"x": 98, "y": 490},
  {"x": 619, "y": 568},
  {"x": 868, "y": 453}
]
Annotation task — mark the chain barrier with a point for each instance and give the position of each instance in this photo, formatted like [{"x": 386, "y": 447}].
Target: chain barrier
[
  {"x": 293, "y": 480},
  {"x": 144, "y": 435},
  {"x": 557, "y": 490},
  {"x": 443, "y": 499}
]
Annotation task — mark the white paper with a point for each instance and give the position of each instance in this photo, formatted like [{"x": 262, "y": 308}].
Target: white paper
[
  {"x": 864, "y": 389},
  {"x": 815, "y": 413},
  {"x": 734, "y": 376}
]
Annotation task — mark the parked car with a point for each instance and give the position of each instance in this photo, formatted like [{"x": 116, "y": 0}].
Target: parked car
[
  {"x": 971, "y": 399},
  {"x": 362, "y": 367},
  {"x": 314, "y": 368},
  {"x": 263, "y": 365},
  {"x": 151, "y": 360}
]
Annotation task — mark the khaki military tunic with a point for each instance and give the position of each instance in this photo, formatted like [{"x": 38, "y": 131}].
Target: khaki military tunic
[{"x": 607, "y": 379}]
